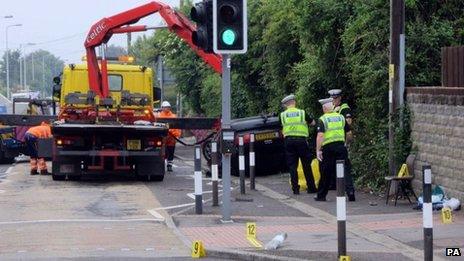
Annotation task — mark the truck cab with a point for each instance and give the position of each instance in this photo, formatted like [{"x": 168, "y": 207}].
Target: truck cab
[
  {"x": 121, "y": 77},
  {"x": 117, "y": 134}
]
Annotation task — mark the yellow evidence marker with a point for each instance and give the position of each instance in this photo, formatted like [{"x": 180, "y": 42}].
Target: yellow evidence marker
[
  {"x": 251, "y": 235},
  {"x": 198, "y": 250},
  {"x": 446, "y": 216},
  {"x": 345, "y": 258}
]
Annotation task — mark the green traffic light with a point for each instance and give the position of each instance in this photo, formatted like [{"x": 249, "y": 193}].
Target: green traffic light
[{"x": 228, "y": 37}]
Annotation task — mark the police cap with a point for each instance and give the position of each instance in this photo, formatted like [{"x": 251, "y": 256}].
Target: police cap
[
  {"x": 335, "y": 92},
  {"x": 324, "y": 101},
  {"x": 288, "y": 98}
]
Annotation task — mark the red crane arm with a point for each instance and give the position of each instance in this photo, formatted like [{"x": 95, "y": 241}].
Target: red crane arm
[{"x": 101, "y": 32}]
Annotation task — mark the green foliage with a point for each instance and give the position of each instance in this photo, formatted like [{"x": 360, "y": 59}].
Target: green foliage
[
  {"x": 310, "y": 46},
  {"x": 41, "y": 67}
]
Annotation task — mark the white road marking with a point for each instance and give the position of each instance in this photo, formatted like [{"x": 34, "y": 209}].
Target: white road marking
[
  {"x": 78, "y": 221},
  {"x": 176, "y": 206},
  {"x": 100, "y": 249},
  {"x": 125, "y": 249},
  {"x": 211, "y": 183},
  {"x": 2, "y": 191},
  {"x": 107, "y": 228},
  {"x": 9, "y": 170},
  {"x": 21, "y": 251},
  {"x": 149, "y": 249},
  {"x": 156, "y": 214}
]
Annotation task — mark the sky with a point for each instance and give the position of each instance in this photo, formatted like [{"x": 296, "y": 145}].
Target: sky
[{"x": 60, "y": 26}]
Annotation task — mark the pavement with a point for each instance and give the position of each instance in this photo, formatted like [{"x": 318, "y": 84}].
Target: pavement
[
  {"x": 114, "y": 218},
  {"x": 374, "y": 230}
]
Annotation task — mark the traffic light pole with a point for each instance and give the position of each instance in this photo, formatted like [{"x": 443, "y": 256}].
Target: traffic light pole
[{"x": 226, "y": 118}]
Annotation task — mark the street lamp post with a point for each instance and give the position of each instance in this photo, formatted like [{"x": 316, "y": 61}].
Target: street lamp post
[
  {"x": 24, "y": 63},
  {"x": 8, "y": 59}
]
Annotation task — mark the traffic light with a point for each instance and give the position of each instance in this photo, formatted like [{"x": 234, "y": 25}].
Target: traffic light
[
  {"x": 202, "y": 14},
  {"x": 230, "y": 26}
]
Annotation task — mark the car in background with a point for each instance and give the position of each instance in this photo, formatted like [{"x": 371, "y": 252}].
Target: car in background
[
  {"x": 269, "y": 145},
  {"x": 10, "y": 147}
]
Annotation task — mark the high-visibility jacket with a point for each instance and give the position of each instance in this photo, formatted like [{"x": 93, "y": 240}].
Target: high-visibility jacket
[
  {"x": 342, "y": 107},
  {"x": 294, "y": 123},
  {"x": 42, "y": 131},
  {"x": 334, "y": 125},
  {"x": 170, "y": 141}
]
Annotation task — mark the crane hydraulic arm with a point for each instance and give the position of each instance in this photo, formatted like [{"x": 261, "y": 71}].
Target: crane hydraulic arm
[{"x": 101, "y": 32}]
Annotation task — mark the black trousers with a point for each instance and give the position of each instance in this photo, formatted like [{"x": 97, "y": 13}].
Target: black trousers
[
  {"x": 297, "y": 148},
  {"x": 170, "y": 153},
  {"x": 330, "y": 154}
]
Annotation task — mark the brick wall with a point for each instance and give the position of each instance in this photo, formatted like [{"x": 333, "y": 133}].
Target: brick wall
[{"x": 438, "y": 136}]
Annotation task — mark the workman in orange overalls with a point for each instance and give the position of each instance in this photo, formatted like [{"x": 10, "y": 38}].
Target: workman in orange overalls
[
  {"x": 173, "y": 134},
  {"x": 42, "y": 131}
]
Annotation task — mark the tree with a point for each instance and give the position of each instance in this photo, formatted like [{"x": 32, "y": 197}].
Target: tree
[
  {"x": 115, "y": 51},
  {"x": 41, "y": 67},
  {"x": 14, "y": 70}
]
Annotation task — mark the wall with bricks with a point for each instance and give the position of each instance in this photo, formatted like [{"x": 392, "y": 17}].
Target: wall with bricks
[{"x": 438, "y": 136}]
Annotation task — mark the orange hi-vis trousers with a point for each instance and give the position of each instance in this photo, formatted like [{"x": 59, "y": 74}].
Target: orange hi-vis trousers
[
  {"x": 41, "y": 164},
  {"x": 38, "y": 164},
  {"x": 34, "y": 165}
]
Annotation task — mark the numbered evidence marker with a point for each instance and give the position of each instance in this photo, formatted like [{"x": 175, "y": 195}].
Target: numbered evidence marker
[
  {"x": 251, "y": 235},
  {"x": 446, "y": 216},
  {"x": 198, "y": 249},
  {"x": 345, "y": 258}
]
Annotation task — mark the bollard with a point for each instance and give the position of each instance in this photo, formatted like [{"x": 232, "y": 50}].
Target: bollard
[
  {"x": 198, "y": 182},
  {"x": 252, "y": 161},
  {"x": 427, "y": 216},
  {"x": 214, "y": 172},
  {"x": 341, "y": 208},
  {"x": 241, "y": 164}
]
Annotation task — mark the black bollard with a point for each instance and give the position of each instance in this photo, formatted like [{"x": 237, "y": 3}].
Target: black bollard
[
  {"x": 341, "y": 208},
  {"x": 427, "y": 216},
  {"x": 198, "y": 182}
]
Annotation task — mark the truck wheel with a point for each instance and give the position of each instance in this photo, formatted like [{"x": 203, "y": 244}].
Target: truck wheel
[
  {"x": 58, "y": 177},
  {"x": 74, "y": 177},
  {"x": 64, "y": 166},
  {"x": 157, "y": 178},
  {"x": 150, "y": 169}
]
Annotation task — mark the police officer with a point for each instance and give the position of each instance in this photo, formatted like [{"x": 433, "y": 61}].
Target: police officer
[
  {"x": 295, "y": 130},
  {"x": 342, "y": 108},
  {"x": 330, "y": 146}
]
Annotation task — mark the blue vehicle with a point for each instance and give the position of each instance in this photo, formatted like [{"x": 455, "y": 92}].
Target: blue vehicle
[{"x": 10, "y": 147}]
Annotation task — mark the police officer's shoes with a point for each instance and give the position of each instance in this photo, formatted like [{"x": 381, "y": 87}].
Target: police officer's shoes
[
  {"x": 44, "y": 172},
  {"x": 351, "y": 197},
  {"x": 316, "y": 198},
  {"x": 169, "y": 168},
  {"x": 34, "y": 172}
]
